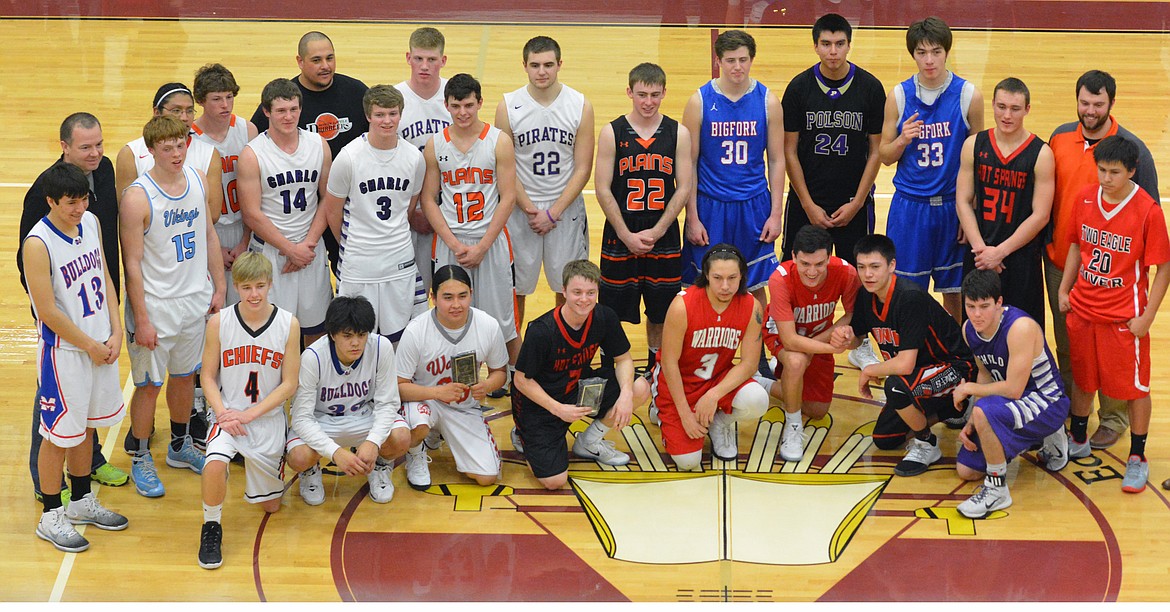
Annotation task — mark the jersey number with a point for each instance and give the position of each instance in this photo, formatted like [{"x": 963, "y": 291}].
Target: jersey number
[
  {"x": 546, "y": 163},
  {"x": 469, "y": 206},
  {"x": 252, "y": 388},
  {"x": 1101, "y": 262},
  {"x": 704, "y": 372},
  {"x": 827, "y": 145},
  {"x": 932, "y": 154},
  {"x": 184, "y": 246},
  {"x": 734, "y": 152},
  {"x": 383, "y": 205},
  {"x": 230, "y": 199},
  {"x": 645, "y": 194},
  {"x": 98, "y": 297},
  {"x": 998, "y": 202},
  {"x": 290, "y": 201}
]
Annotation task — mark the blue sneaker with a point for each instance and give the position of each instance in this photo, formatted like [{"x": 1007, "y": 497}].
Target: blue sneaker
[
  {"x": 185, "y": 457},
  {"x": 145, "y": 477}
]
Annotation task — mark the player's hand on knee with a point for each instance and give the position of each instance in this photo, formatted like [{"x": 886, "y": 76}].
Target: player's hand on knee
[
  {"x": 229, "y": 421},
  {"x": 965, "y": 436},
  {"x": 622, "y": 411},
  {"x": 349, "y": 463},
  {"x": 705, "y": 408},
  {"x": 690, "y": 423}
]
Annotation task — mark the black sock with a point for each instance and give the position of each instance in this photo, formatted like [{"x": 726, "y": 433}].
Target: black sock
[
  {"x": 1079, "y": 428},
  {"x": 1137, "y": 445},
  {"x": 79, "y": 485},
  {"x": 51, "y": 501},
  {"x": 926, "y": 436},
  {"x": 178, "y": 434},
  {"x": 651, "y": 358}
]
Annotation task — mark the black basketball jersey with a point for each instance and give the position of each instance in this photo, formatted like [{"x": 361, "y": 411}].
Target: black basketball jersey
[
  {"x": 908, "y": 318},
  {"x": 1004, "y": 186},
  {"x": 554, "y": 355},
  {"x": 643, "y": 169},
  {"x": 835, "y": 120}
]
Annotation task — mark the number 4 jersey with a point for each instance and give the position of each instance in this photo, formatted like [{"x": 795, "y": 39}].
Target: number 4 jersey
[{"x": 250, "y": 359}]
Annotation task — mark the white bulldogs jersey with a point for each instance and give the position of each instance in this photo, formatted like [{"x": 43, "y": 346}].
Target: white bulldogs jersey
[
  {"x": 335, "y": 390},
  {"x": 198, "y": 155},
  {"x": 426, "y": 349},
  {"x": 421, "y": 118},
  {"x": 377, "y": 187},
  {"x": 229, "y": 154},
  {"x": 544, "y": 138},
  {"x": 174, "y": 259},
  {"x": 469, "y": 194},
  {"x": 288, "y": 183},
  {"x": 79, "y": 277},
  {"x": 250, "y": 360}
]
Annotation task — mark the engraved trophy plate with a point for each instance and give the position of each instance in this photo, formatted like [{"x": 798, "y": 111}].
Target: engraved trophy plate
[
  {"x": 465, "y": 369},
  {"x": 589, "y": 395}
]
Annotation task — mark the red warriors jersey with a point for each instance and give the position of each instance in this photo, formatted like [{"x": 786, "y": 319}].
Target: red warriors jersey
[
  {"x": 811, "y": 309},
  {"x": 1119, "y": 243},
  {"x": 710, "y": 342}
]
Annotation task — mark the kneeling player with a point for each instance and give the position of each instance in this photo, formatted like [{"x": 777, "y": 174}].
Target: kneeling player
[
  {"x": 347, "y": 398},
  {"x": 251, "y": 350},
  {"x": 1019, "y": 395},
  {"x": 557, "y": 354},
  {"x": 805, "y": 291},
  {"x": 697, "y": 388},
  {"x": 433, "y": 399}
]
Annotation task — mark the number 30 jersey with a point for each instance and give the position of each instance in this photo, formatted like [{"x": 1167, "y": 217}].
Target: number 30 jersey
[
  {"x": 733, "y": 137},
  {"x": 643, "y": 168},
  {"x": 469, "y": 194},
  {"x": 711, "y": 341}
]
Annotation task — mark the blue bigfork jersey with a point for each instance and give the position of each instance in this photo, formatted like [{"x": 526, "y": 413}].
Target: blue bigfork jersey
[
  {"x": 929, "y": 165},
  {"x": 733, "y": 137}
]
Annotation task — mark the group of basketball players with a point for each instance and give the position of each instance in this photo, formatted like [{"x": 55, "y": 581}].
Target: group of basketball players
[{"x": 227, "y": 229}]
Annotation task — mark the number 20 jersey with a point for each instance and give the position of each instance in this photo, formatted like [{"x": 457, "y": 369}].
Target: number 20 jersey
[
  {"x": 469, "y": 194},
  {"x": 710, "y": 343}
]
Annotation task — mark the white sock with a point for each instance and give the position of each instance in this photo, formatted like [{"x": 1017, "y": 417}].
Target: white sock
[
  {"x": 789, "y": 417},
  {"x": 765, "y": 382},
  {"x": 997, "y": 469},
  {"x": 212, "y": 514},
  {"x": 593, "y": 434},
  {"x": 511, "y": 373},
  {"x": 417, "y": 450}
]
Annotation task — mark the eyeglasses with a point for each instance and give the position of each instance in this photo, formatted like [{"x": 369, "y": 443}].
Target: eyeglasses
[{"x": 188, "y": 111}]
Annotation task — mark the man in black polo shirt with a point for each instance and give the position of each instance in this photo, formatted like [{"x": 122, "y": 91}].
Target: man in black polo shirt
[{"x": 81, "y": 145}]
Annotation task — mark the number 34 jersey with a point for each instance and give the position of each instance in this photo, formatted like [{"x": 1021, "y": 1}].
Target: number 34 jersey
[{"x": 469, "y": 193}]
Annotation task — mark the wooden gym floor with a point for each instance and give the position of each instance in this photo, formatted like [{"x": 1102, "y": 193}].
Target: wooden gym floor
[{"x": 837, "y": 526}]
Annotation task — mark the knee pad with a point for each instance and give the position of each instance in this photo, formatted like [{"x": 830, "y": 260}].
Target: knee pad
[
  {"x": 750, "y": 402},
  {"x": 690, "y": 462}
]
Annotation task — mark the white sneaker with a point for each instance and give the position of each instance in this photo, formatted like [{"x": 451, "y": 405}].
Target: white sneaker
[
  {"x": 919, "y": 456},
  {"x": 992, "y": 495},
  {"x": 381, "y": 487},
  {"x": 724, "y": 440},
  {"x": 1054, "y": 452},
  {"x": 604, "y": 452},
  {"x": 654, "y": 415},
  {"x": 863, "y": 355},
  {"x": 418, "y": 474},
  {"x": 55, "y": 529},
  {"x": 433, "y": 440},
  {"x": 312, "y": 488},
  {"x": 88, "y": 511},
  {"x": 792, "y": 443},
  {"x": 517, "y": 443}
]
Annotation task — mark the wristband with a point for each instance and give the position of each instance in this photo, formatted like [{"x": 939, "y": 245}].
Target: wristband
[{"x": 550, "y": 217}]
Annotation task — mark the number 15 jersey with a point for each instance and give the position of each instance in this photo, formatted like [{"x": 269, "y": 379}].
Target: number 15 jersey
[{"x": 469, "y": 195}]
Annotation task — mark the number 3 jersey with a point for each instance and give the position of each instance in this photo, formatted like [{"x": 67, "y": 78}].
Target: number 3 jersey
[
  {"x": 288, "y": 183},
  {"x": 1004, "y": 186},
  {"x": 469, "y": 194},
  {"x": 78, "y": 275},
  {"x": 710, "y": 343},
  {"x": 643, "y": 168},
  {"x": 250, "y": 360}
]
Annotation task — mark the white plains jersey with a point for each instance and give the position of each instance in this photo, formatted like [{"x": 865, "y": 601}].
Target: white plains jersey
[
  {"x": 79, "y": 276},
  {"x": 250, "y": 360},
  {"x": 174, "y": 258},
  {"x": 421, "y": 118},
  {"x": 229, "y": 154},
  {"x": 544, "y": 138},
  {"x": 469, "y": 193},
  {"x": 426, "y": 349},
  {"x": 288, "y": 183}
]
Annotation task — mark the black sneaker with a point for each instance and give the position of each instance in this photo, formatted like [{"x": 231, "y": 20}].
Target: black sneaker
[
  {"x": 210, "y": 556},
  {"x": 503, "y": 391},
  {"x": 198, "y": 428},
  {"x": 131, "y": 445}
]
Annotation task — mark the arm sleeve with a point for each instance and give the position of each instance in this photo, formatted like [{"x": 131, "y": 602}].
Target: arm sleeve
[
  {"x": 860, "y": 322},
  {"x": 386, "y": 399},
  {"x": 304, "y": 421}
]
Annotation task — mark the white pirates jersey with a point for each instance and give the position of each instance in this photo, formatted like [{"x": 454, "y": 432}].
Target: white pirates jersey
[
  {"x": 544, "y": 137},
  {"x": 229, "y": 154},
  {"x": 288, "y": 183},
  {"x": 421, "y": 118},
  {"x": 198, "y": 155},
  {"x": 327, "y": 391},
  {"x": 174, "y": 258},
  {"x": 250, "y": 360},
  {"x": 377, "y": 187},
  {"x": 79, "y": 276},
  {"x": 469, "y": 194},
  {"x": 427, "y": 348}
]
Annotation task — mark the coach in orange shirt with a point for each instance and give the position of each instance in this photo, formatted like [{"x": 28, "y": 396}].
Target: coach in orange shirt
[{"x": 1073, "y": 144}]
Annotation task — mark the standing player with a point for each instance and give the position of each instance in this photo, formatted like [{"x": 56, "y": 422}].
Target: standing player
[
  {"x": 169, "y": 249},
  {"x": 559, "y": 347},
  {"x": 804, "y": 292},
  {"x": 432, "y": 400},
  {"x": 251, "y": 354},
  {"x": 735, "y": 119},
  {"x": 373, "y": 185},
  {"x": 833, "y": 124},
  {"x": 551, "y": 127},
  {"x": 1018, "y": 399},
  {"x": 928, "y": 117},
  {"x": 347, "y": 398},
  {"x": 643, "y": 180},
  {"x": 476, "y": 173},
  {"x": 697, "y": 389},
  {"x": 925, "y": 357},
  {"x": 216, "y": 91},
  {"x": 1117, "y": 232},
  {"x": 79, "y": 334},
  {"x": 424, "y": 115},
  {"x": 282, "y": 174},
  {"x": 1072, "y": 146},
  {"x": 1004, "y": 195}
]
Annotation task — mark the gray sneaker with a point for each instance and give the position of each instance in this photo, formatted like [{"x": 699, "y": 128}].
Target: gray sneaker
[
  {"x": 381, "y": 486},
  {"x": 1137, "y": 472},
  {"x": 55, "y": 529},
  {"x": 1078, "y": 450},
  {"x": 863, "y": 355},
  {"x": 1054, "y": 453},
  {"x": 724, "y": 440},
  {"x": 517, "y": 443},
  {"x": 312, "y": 486},
  {"x": 654, "y": 414},
  {"x": 89, "y": 511},
  {"x": 604, "y": 452},
  {"x": 992, "y": 495},
  {"x": 919, "y": 456},
  {"x": 792, "y": 442}
]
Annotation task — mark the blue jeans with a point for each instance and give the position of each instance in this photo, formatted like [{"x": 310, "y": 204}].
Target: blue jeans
[{"x": 35, "y": 448}]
